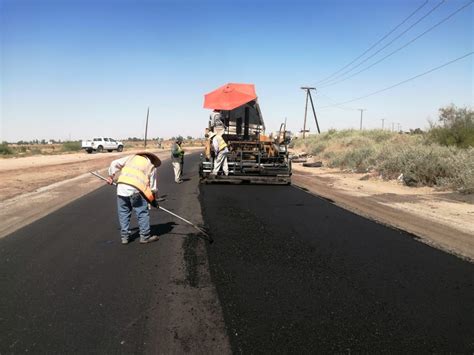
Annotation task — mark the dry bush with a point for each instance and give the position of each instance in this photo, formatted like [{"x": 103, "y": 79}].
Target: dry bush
[{"x": 392, "y": 154}]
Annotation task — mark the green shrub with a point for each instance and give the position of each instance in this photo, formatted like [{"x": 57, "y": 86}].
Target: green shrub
[
  {"x": 360, "y": 159},
  {"x": 420, "y": 161},
  {"x": 5, "y": 149},
  {"x": 422, "y": 165},
  {"x": 71, "y": 146},
  {"x": 455, "y": 127}
]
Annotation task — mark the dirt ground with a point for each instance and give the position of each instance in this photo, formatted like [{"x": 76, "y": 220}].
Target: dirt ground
[{"x": 32, "y": 187}]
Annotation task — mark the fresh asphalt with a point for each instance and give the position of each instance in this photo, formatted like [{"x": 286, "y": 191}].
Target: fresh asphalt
[
  {"x": 67, "y": 285},
  {"x": 297, "y": 274},
  {"x": 294, "y": 274}
]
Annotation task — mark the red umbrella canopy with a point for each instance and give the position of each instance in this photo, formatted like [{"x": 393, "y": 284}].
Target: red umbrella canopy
[{"x": 230, "y": 96}]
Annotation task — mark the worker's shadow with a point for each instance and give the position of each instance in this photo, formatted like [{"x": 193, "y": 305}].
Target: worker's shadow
[{"x": 155, "y": 229}]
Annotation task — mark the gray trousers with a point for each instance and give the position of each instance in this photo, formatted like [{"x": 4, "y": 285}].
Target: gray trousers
[
  {"x": 178, "y": 169},
  {"x": 221, "y": 160}
]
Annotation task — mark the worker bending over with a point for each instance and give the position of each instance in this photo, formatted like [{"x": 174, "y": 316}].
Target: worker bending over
[
  {"x": 136, "y": 187},
  {"x": 219, "y": 146}
]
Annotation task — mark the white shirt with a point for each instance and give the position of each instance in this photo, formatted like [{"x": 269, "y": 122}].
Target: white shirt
[
  {"x": 127, "y": 190},
  {"x": 216, "y": 119}
]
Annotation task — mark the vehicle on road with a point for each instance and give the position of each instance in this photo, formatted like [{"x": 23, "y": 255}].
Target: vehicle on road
[
  {"x": 253, "y": 156},
  {"x": 99, "y": 144}
]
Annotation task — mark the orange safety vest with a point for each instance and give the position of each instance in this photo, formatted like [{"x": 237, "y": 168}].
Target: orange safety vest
[{"x": 136, "y": 173}]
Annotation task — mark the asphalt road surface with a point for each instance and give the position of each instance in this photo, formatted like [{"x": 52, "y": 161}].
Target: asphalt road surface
[
  {"x": 297, "y": 274},
  {"x": 67, "y": 285},
  {"x": 293, "y": 273}
]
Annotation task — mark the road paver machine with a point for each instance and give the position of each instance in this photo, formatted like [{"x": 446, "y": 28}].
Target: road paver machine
[{"x": 253, "y": 156}]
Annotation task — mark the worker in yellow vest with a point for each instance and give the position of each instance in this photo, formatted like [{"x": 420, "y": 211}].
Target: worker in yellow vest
[
  {"x": 136, "y": 187},
  {"x": 219, "y": 146}
]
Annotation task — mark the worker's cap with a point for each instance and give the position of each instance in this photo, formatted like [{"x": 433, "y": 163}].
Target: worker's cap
[
  {"x": 152, "y": 157},
  {"x": 179, "y": 140}
]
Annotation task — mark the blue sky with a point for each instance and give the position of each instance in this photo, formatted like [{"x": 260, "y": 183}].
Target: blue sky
[{"x": 75, "y": 69}]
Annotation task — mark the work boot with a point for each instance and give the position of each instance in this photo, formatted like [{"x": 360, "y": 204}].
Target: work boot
[{"x": 153, "y": 238}]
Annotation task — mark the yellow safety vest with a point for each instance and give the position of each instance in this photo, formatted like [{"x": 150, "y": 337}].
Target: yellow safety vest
[
  {"x": 136, "y": 173},
  {"x": 221, "y": 142}
]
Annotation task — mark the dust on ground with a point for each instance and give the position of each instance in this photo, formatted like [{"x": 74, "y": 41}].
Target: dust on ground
[{"x": 32, "y": 187}]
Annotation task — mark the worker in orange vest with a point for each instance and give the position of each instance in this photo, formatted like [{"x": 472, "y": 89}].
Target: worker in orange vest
[{"x": 136, "y": 187}]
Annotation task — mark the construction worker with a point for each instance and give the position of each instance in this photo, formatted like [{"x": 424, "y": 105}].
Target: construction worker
[
  {"x": 136, "y": 187},
  {"x": 216, "y": 119},
  {"x": 177, "y": 159},
  {"x": 219, "y": 146}
]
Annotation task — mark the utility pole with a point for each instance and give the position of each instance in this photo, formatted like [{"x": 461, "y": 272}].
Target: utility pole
[
  {"x": 308, "y": 96},
  {"x": 383, "y": 119},
  {"x": 146, "y": 125},
  {"x": 361, "y": 114},
  {"x": 398, "y": 127}
]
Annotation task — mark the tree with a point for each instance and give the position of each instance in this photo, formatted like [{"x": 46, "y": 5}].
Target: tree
[{"x": 456, "y": 127}]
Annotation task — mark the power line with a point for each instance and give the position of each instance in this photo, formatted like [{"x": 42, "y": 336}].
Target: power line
[
  {"x": 380, "y": 40},
  {"x": 402, "y": 82},
  {"x": 388, "y": 44},
  {"x": 400, "y": 48},
  {"x": 335, "y": 103}
]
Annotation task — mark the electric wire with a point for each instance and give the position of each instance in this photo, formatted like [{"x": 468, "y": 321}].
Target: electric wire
[
  {"x": 376, "y": 43},
  {"x": 335, "y": 103},
  {"x": 400, "y": 48},
  {"x": 388, "y": 44},
  {"x": 401, "y": 82}
]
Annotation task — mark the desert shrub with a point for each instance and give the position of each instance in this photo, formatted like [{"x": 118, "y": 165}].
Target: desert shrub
[
  {"x": 360, "y": 159},
  {"x": 71, "y": 146},
  {"x": 378, "y": 135},
  {"x": 5, "y": 149},
  {"x": 35, "y": 151},
  {"x": 316, "y": 147},
  {"x": 391, "y": 154},
  {"x": 462, "y": 171},
  {"x": 419, "y": 164},
  {"x": 455, "y": 127}
]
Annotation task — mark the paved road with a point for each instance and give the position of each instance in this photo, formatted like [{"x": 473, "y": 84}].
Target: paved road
[
  {"x": 293, "y": 273},
  {"x": 67, "y": 285},
  {"x": 297, "y": 274}
]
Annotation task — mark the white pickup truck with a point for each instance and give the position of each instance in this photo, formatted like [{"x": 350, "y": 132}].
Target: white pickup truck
[{"x": 100, "y": 144}]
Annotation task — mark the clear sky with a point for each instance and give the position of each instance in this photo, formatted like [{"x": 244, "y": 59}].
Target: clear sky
[{"x": 76, "y": 69}]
